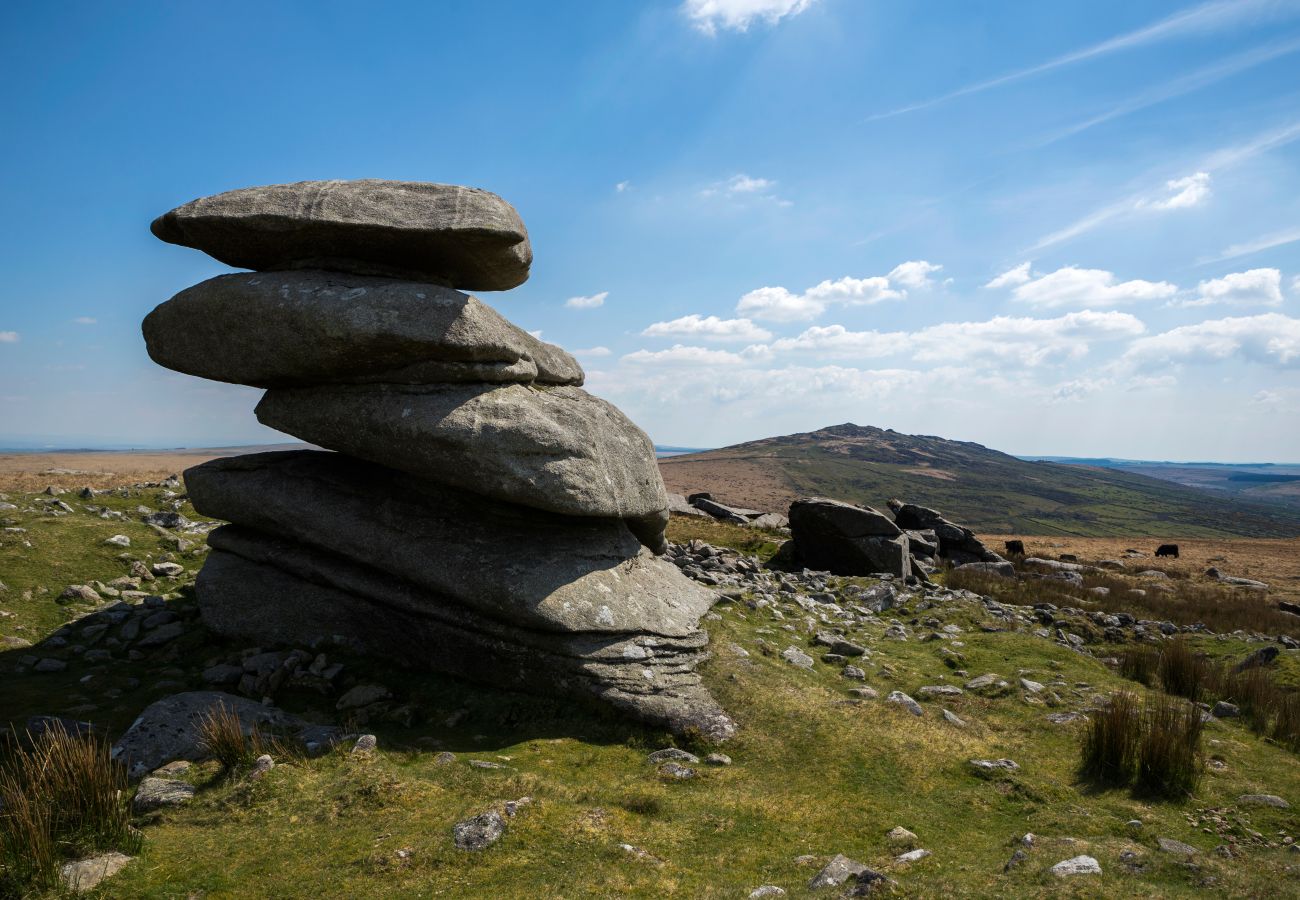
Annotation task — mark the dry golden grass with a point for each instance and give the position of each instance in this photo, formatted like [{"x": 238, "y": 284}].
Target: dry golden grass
[
  {"x": 1272, "y": 560},
  {"x": 106, "y": 469}
]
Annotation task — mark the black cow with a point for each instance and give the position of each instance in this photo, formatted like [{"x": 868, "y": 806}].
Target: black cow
[
  {"x": 1015, "y": 548},
  {"x": 1167, "y": 550}
]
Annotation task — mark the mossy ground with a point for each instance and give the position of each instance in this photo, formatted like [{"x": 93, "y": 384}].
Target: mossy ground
[{"x": 814, "y": 773}]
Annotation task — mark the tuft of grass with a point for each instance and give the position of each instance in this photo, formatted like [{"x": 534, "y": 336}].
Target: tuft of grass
[
  {"x": 221, "y": 735},
  {"x": 61, "y": 795},
  {"x": 1183, "y": 672},
  {"x": 1286, "y": 721},
  {"x": 1169, "y": 753},
  {"x": 1110, "y": 741},
  {"x": 1139, "y": 664},
  {"x": 642, "y": 803}
]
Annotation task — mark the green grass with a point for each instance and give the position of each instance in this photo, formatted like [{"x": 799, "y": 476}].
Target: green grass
[{"x": 812, "y": 774}]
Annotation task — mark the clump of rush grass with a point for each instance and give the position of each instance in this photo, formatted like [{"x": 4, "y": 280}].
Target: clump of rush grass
[
  {"x": 1111, "y": 739},
  {"x": 1139, "y": 664},
  {"x": 1169, "y": 752},
  {"x": 1183, "y": 672},
  {"x": 61, "y": 795},
  {"x": 222, "y": 736},
  {"x": 1285, "y": 727}
]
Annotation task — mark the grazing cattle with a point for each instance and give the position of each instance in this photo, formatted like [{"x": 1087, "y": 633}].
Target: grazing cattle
[
  {"x": 1015, "y": 548},
  {"x": 1167, "y": 550}
]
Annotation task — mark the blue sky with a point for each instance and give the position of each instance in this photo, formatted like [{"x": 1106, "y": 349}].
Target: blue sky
[{"x": 1054, "y": 228}]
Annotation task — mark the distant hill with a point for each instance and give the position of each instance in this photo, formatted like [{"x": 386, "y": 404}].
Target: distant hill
[
  {"x": 1261, "y": 482},
  {"x": 989, "y": 491}
]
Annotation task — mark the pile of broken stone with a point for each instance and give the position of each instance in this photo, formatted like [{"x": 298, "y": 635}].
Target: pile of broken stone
[{"x": 483, "y": 515}]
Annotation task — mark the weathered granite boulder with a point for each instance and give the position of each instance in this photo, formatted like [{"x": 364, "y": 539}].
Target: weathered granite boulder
[
  {"x": 459, "y": 236},
  {"x": 556, "y": 449},
  {"x": 283, "y": 591},
  {"x": 169, "y": 729},
  {"x": 956, "y": 543},
  {"x": 846, "y": 539},
  {"x": 519, "y": 565},
  {"x": 315, "y": 327}
]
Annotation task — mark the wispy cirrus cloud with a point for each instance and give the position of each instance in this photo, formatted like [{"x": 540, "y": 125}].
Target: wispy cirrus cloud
[
  {"x": 8, "y": 337},
  {"x": 1185, "y": 84},
  {"x": 1266, "y": 242},
  {"x": 1213, "y": 16}
]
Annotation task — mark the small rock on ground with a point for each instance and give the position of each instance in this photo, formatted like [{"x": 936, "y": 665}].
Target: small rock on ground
[
  {"x": 85, "y": 874},
  {"x": 155, "y": 793},
  {"x": 479, "y": 832},
  {"x": 1078, "y": 865},
  {"x": 839, "y": 870}
]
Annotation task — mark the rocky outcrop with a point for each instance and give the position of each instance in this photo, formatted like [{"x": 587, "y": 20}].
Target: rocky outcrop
[
  {"x": 847, "y": 540},
  {"x": 844, "y": 539},
  {"x": 484, "y": 515}
]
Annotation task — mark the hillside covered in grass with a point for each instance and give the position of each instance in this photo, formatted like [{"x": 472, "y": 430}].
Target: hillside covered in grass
[
  {"x": 984, "y": 489},
  {"x": 828, "y": 759}
]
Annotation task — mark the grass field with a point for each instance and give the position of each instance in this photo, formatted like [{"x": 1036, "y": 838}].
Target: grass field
[{"x": 816, "y": 770}]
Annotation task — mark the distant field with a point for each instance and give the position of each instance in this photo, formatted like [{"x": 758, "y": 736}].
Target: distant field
[{"x": 108, "y": 468}]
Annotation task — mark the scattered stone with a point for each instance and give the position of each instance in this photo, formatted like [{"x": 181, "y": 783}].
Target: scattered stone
[
  {"x": 990, "y": 767},
  {"x": 1178, "y": 848},
  {"x": 854, "y": 673},
  {"x": 912, "y": 856},
  {"x": 1078, "y": 865},
  {"x": 718, "y": 759},
  {"x": 1261, "y": 657},
  {"x": 156, "y": 793},
  {"x": 1032, "y": 687},
  {"x": 161, "y": 635},
  {"x": 261, "y": 766},
  {"x": 1225, "y": 710},
  {"x": 672, "y": 753},
  {"x": 847, "y": 539},
  {"x": 900, "y": 835},
  {"x": 365, "y": 744},
  {"x": 118, "y": 540},
  {"x": 676, "y": 772},
  {"x": 1263, "y": 800},
  {"x": 167, "y": 569},
  {"x": 479, "y": 832},
  {"x": 839, "y": 870},
  {"x": 906, "y": 702},
  {"x": 84, "y": 875},
  {"x": 953, "y": 719},
  {"x": 766, "y": 890},
  {"x": 796, "y": 657},
  {"x": 1016, "y": 859},
  {"x": 49, "y": 664}
]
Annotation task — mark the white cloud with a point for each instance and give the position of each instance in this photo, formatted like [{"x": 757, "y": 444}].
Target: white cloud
[
  {"x": 1270, "y": 339},
  {"x": 537, "y": 334},
  {"x": 737, "y": 15},
  {"x": 1011, "y": 277},
  {"x": 1022, "y": 340},
  {"x": 1295, "y": 286},
  {"x": 84, "y": 320},
  {"x": 622, "y": 186},
  {"x": 1184, "y": 193},
  {"x": 914, "y": 274},
  {"x": 591, "y": 302},
  {"x": 776, "y": 304},
  {"x": 1072, "y": 286},
  {"x": 592, "y": 351},
  {"x": 711, "y": 328},
  {"x": 741, "y": 186},
  {"x": 1079, "y": 388},
  {"x": 1256, "y": 287},
  {"x": 1002, "y": 340},
  {"x": 837, "y": 341},
  {"x": 8, "y": 337},
  {"x": 679, "y": 355}
]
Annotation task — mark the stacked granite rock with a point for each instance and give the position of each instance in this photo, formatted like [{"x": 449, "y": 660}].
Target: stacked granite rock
[{"x": 484, "y": 515}]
